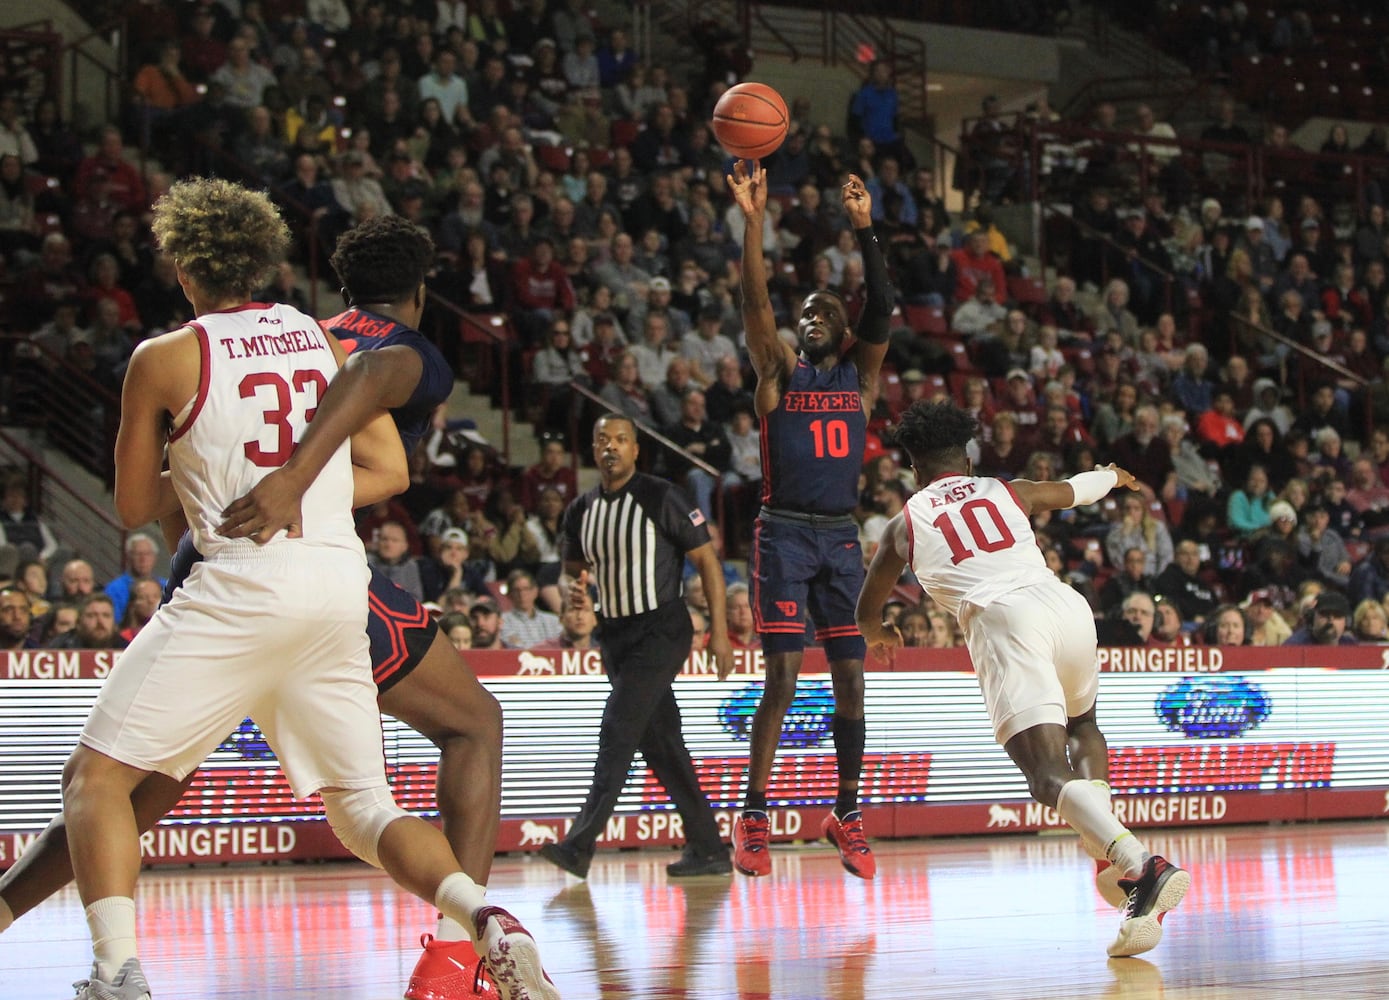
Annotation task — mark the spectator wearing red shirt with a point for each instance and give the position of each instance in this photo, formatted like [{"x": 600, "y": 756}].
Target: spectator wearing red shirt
[
  {"x": 551, "y": 472},
  {"x": 974, "y": 261},
  {"x": 104, "y": 273},
  {"x": 1344, "y": 304},
  {"x": 742, "y": 631},
  {"x": 1218, "y": 426},
  {"x": 541, "y": 289},
  {"x": 203, "y": 52},
  {"x": 124, "y": 186}
]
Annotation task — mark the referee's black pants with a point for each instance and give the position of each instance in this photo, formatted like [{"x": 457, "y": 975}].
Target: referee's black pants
[{"x": 642, "y": 655}]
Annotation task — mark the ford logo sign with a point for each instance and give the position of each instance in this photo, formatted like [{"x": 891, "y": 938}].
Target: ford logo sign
[
  {"x": 1208, "y": 708},
  {"x": 807, "y": 719}
]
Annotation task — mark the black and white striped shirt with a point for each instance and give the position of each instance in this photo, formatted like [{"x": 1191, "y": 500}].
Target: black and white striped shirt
[{"x": 635, "y": 540}]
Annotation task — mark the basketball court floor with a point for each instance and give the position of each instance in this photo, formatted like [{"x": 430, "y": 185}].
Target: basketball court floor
[{"x": 1274, "y": 913}]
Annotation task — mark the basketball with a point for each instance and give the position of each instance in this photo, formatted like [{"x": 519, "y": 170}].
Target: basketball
[{"x": 750, "y": 120}]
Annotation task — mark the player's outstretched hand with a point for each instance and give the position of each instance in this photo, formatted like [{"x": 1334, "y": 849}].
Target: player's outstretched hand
[
  {"x": 1126, "y": 478},
  {"x": 883, "y": 640},
  {"x": 272, "y": 505},
  {"x": 858, "y": 203},
  {"x": 722, "y": 652},
  {"x": 749, "y": 189}
]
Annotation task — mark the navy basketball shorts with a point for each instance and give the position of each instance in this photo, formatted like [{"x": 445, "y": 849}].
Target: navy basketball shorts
[
  {"x": 399, "y": 629},
  {"x": 802, "y": 567}
]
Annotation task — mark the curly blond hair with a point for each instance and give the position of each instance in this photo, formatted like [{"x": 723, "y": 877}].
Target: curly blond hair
[{"x": 224, "y": 237}]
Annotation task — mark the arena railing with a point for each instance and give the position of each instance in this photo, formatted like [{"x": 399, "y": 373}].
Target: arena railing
[
  {"x": 85, "y": 527},
  {"x": 76, "y": 414},
  {"x": 1301, "y": 350},
  {"x": 601, "y": 405},
  {"x": 1088, "y": 232}
]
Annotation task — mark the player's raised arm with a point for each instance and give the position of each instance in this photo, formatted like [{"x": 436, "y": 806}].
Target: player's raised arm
[
  {"x": 1080, "y": 490},
  {"x": 771, "y": 358},
  {"x": 871, "y": 329}
]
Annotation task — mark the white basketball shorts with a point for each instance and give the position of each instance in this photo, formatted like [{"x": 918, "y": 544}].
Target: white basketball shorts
[
  {"x": 278, "y": 635},
  {"x": 1034, "y": 655}
]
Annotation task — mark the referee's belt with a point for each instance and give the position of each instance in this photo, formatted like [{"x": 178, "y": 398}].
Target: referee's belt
[{"x": 803, "y": 518}]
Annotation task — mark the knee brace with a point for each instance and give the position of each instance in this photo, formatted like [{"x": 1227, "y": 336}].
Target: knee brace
[{"x": 359, "y": 816}]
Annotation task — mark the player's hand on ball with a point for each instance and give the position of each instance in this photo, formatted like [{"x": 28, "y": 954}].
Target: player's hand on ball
[
  {"x": 272, "y": 505},
  {"x": 858, "y": 203},
  {"x": 749, "y": 188}
]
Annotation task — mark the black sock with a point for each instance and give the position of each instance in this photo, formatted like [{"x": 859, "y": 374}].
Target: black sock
[
  {"x": 849, "y": 737},
  {"x": 846, "y": 802},
  {"x": 755, "y": 800}
]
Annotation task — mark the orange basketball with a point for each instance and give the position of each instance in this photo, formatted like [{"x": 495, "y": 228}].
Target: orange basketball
[{"x": 750, "y": 120}]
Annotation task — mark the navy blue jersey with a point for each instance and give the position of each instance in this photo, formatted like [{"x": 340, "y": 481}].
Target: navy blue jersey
[
  {"x": 812, "y": 443},
  {"x": 360, "y": 330}
]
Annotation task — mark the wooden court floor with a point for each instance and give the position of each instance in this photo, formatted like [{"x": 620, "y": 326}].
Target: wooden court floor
[{"x": 1274, "y": 913}]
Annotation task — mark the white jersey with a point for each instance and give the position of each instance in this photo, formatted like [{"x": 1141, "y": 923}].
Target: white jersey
[
  {"x": 264, "y": 370},
  {"x": 969, "y": 541}
]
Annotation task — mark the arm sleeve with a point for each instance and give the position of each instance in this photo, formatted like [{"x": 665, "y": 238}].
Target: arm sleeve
[
  {"x": 877, "y": 308},
  {"x": 1092, "y": 487}
]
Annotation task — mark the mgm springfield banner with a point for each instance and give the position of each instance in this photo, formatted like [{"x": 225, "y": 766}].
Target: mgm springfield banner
[{"x": 1197, "y": 735}]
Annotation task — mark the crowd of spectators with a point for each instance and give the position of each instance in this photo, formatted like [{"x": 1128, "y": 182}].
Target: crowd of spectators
[{"x": 578, "y": 191}]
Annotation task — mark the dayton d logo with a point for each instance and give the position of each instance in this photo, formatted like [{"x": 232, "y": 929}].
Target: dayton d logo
[{"x": 788, "y": 608}]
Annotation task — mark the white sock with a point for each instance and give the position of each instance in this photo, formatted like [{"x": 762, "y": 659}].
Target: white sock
[
  {"x": 1085, "y": 808},
  {"x": 1093, "y": 849},
  {"x": 6, "y": 916},
  {"x": 458, "y": 898},
  {"x": 112, "y": 923},
  {"x": 450, "y": 930}
]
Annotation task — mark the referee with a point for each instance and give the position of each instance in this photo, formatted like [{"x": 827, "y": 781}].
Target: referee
[{"x": 632, "y": 532}]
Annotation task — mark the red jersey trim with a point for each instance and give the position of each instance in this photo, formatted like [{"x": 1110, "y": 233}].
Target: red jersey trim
[
  {"x": 204, "y": 380},
  {"x": 244, "y": 307},
  {"x": 1014, "y": 494}
]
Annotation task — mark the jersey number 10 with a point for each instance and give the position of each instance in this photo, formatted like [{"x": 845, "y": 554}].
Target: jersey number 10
[
  {"x": 278, "y": 415},
  {"x": 979, "y": 534},
  {"x": 831, "y": 438}
]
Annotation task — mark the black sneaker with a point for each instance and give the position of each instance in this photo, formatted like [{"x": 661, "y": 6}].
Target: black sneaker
[
  {"x": 691, "y": 863},
  {"x": 561, "y": 855},
  {"x": 1158, "y": 889}
]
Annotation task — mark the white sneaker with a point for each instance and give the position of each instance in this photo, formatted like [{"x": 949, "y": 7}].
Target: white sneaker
[
  {"x": 511, "y": 956},
  {"x": 129, "y": 984},
  {"x": 1159, "y": 889}
]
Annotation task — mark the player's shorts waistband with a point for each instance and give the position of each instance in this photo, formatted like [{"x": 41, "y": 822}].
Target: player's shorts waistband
[
  {"x": 290, "y": 551},
  {"x": 800, "y": 517}
]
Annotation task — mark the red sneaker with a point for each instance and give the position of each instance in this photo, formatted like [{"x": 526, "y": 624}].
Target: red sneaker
[
  {"x": 448, "y": 970},
  {"x": 847, "y": 835},
  {"x": 750, "y": 854}
]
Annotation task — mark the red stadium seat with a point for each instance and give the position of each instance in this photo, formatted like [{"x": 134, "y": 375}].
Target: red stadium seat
[
  {"x": 623, "y": 131},
  {"x": 927, "y": 319},
  {"x": 963, "y": 362},
  {"x": 554, "y": 158},
  {"x": 1027, "y": 291}
]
